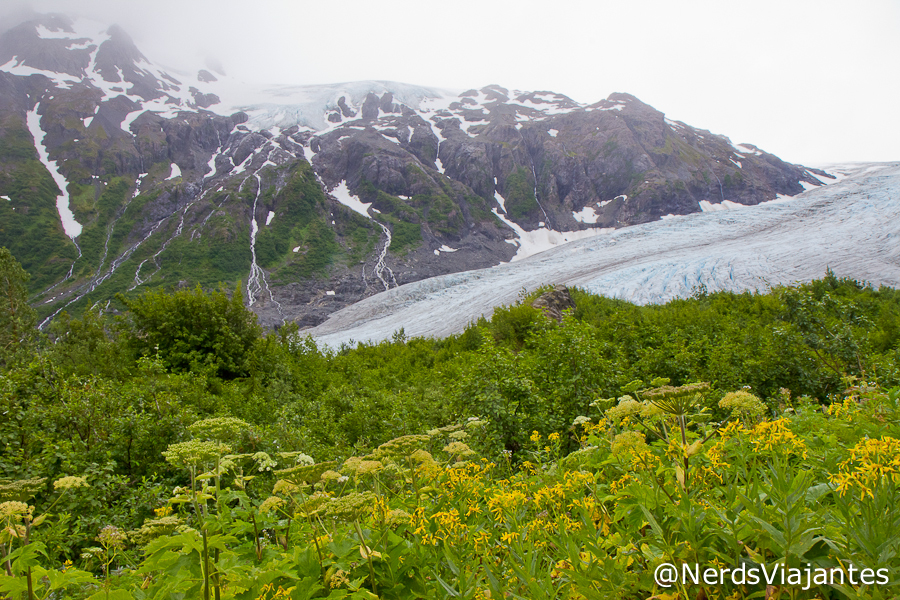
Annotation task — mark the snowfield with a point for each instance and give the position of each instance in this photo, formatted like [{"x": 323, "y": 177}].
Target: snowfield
[{"x": 852, "y": 227}]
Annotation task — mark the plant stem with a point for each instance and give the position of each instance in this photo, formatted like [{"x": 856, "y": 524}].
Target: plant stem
[
  {"x": 205, "y": 566},
  {"x": 362, "y": 541},
  {"x": 216, "y": 582},
  {"x": 256, "y": 537}
]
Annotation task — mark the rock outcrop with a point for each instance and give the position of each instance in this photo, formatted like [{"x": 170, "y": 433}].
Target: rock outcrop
[{"x": 555, "y": 302}]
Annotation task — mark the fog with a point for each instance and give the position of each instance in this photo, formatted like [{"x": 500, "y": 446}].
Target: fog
[{"x": 813, "y": 82}]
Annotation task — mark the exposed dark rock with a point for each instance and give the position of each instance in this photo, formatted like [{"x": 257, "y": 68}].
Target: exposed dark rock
[
  {"x": 345, "y": 110},
  {"x": 370, "y": 107},
  {"x": 554, "y": 302}
]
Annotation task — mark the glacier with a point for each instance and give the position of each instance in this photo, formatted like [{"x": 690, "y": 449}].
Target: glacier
[{"x": 851, "y": 226}]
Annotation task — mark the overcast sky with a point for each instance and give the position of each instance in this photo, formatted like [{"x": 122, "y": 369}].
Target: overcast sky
[{"x": 811, "y": 81}]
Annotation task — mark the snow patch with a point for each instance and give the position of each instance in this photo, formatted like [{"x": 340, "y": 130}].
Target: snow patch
[
  {"x": 176, "y": 172},
  {"x": 553, "y": 132},
  {"x": 129, "y": 119},
  {"x": 707, "y": 206},
  {"x": 744, "y": 149},
  {"x": 342, "y": 194},
  {"x": 499, "y": 198},
  {"x": 269, "y": 217},
  {"x": 587, "y": 215},
  {"x": 622, "y": 196},
  {"x": 71, "y": 227},
  {"x": 62, "y": 81},
  {"x": 541, "y": 239}
]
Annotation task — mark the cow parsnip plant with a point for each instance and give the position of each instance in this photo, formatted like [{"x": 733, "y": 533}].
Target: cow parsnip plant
[{"x": 654, "y": 480}]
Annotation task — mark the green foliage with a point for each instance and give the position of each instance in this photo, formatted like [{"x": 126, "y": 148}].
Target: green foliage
[
  {"x": 191, "y": 330},
  {"x": 520, "y": 199},
  {"x": 646, "y": 470},
  {"x": 299, "y": 221},
  {"x": 405, "y": 236},
  {"x": 16, "y": 316},
  {"x": 31, "y": 213}
]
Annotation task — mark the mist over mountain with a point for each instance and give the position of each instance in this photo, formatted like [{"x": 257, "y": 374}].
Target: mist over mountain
[{"x": 119, "y": 176}]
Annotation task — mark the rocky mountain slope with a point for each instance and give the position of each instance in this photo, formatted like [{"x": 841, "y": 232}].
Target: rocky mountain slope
[{"x": 119, "y": 175}]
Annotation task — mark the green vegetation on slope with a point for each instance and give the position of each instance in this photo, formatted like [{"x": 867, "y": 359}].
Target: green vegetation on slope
[
  {"x": 31, "y": 213},
  {"x": 583, "y": 438}
]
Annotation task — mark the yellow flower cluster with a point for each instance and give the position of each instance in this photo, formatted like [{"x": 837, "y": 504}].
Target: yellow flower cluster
[
  {"x": 844, "y": 410},
  {"x": 776, "y": 437},
  {"x": 269, "y": 588},
  {"x": 871, "y": 462},
  {"x": 733, "y": 429},
  {"x": 505, "y": 502}
]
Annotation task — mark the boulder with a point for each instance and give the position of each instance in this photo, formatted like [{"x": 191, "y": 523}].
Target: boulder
[{"x": 554, "y": 302}]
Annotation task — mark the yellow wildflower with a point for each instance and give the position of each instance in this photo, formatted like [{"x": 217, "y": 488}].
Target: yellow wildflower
[{"x": 509, "y": 537}]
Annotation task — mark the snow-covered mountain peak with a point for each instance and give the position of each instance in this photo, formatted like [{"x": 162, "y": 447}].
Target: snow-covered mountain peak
[{"x": 367, "y": 184}]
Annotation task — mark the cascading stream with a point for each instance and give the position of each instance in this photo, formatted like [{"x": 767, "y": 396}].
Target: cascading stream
[
  {"x": 380, "y": 266},
  {"x": 257, "y": 285},
  {"x": 254, "y": 287}
]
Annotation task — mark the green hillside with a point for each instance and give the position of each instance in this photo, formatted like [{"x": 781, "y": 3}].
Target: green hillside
[{"x": 180, "y": 451}]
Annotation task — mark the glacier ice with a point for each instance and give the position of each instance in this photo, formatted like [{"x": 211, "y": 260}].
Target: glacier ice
[{"x": 852, "y": 227}]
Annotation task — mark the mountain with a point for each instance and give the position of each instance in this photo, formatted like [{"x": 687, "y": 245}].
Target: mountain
[
  {"x": 851, "y": 227},
  {"x": 120, "y": 175}
]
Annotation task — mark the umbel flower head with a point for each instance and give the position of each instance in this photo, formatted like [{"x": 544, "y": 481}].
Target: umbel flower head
[
  {"x": 330, "y": 476},
  {"x": 270, "y": 504},
  {"x": 306, "y": 473},
  {"x": 112, "y": 537},
  {"x": 70, "y": 482},
  {"x": 743, "y": 404},
  {"x": 194, "y": 453},
  {"x": 285, "y": 487},
  {"x": 298, "y": 458},
  {"x": 21, "y": 489},
  {"x": 629, "y": 442},
  {"x": 676, "y": 401},
  {"x": 219, "y": 429},
  {"x": 14, "y": 510},
  {"x": 263, "y": 461},
  {"x": 401, "y": 447},
  {"x": 351, "y": 506},
  {"x": 154, "y": 528},
  {"x": 626, "y": 407},
  {"x": 458, "y": 449}
]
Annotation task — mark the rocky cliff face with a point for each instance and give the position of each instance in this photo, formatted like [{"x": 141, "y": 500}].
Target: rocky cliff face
[{"x": 118, "y": 176}]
